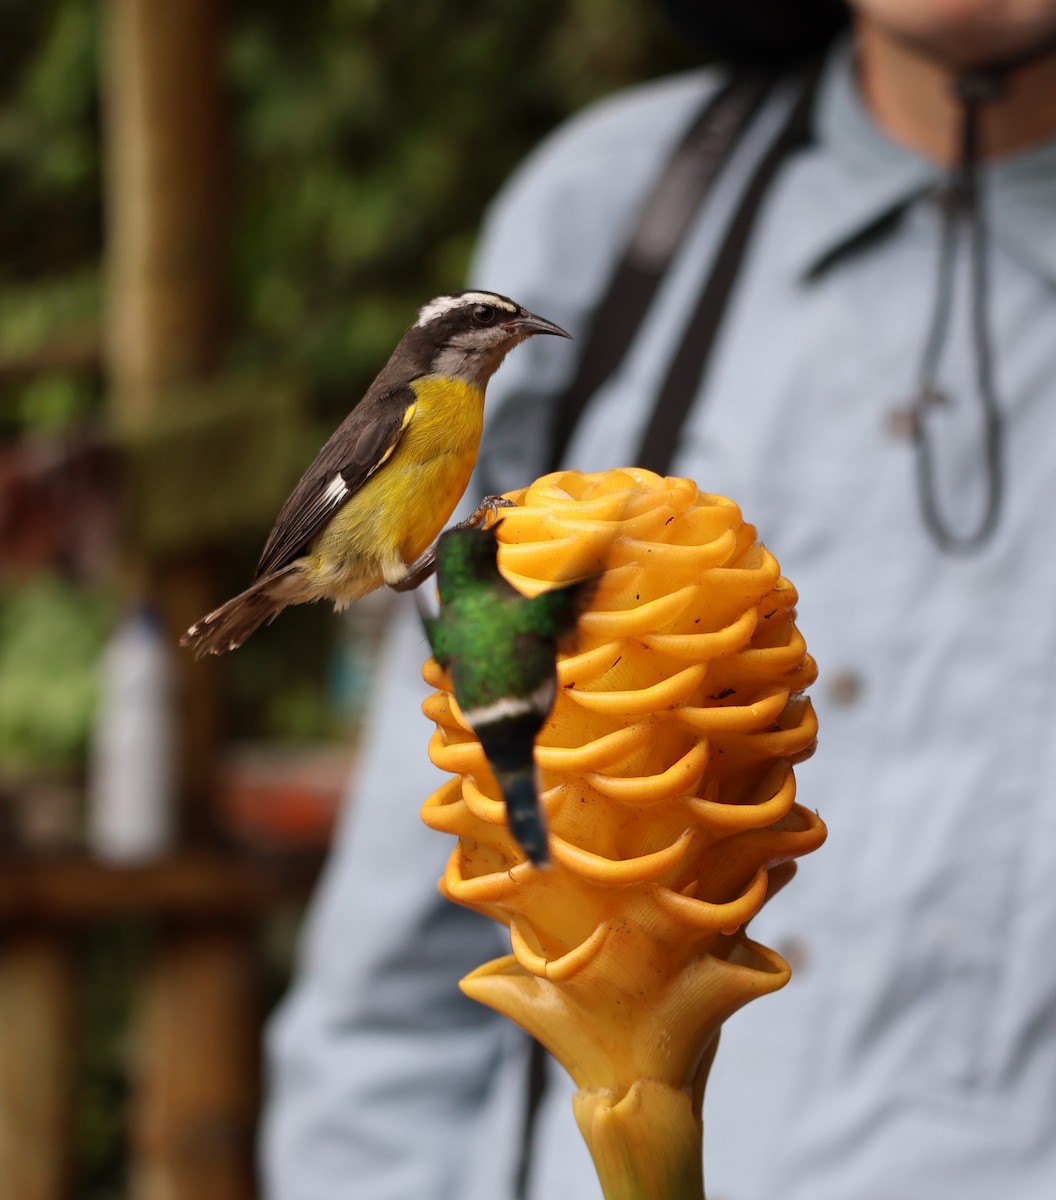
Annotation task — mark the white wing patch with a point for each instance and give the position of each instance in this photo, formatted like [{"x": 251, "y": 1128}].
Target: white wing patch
[
  {"x": 445, "y": 304},
  {"x": 336, "y": 491}
]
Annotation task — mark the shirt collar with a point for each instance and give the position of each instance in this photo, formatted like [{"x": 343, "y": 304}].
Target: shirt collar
[
  {"x": 1020, "y": 207},
  {"x": 857, "y": 177}
]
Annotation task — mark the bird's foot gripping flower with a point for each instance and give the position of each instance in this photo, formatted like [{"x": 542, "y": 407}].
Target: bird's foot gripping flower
[{"x": 666, "y": 774}]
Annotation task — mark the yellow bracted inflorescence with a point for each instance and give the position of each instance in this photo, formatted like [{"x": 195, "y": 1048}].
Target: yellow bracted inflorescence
[{"x": 666, "y": 775}]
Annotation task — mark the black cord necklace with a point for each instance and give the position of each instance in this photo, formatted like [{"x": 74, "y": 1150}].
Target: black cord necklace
[{"x": 962, "y": 209}]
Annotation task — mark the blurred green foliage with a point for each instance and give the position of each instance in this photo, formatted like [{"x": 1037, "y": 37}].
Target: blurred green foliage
[
  {"x": 366, "y": 140},
  {"x": 370, "y": 137},
  {"x": 111, "y": 961},
  {"x": 50, "y": 634},
  {"x": 50, "y": 204}
]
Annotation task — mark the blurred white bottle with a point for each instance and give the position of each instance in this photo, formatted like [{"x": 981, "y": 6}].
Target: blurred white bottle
[{"x": 131, "y": 781}]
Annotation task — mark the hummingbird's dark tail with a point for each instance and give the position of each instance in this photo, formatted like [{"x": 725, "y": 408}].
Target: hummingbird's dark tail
[
  {"x": 228, "y": 626},
  {"x": 524, "y": 814}
]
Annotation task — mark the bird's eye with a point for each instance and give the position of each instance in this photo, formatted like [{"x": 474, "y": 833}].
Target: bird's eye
[{"x": 483, "y": 314}]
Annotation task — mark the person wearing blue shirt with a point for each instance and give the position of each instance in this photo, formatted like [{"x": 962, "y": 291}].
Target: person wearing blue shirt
[{"x": 880, "y": 400}]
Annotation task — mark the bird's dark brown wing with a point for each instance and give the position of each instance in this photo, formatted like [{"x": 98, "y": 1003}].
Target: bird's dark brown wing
[{"x": 359, "y": 446}]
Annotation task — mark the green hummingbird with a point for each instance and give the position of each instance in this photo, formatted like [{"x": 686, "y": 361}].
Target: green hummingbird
[{"x": 500, "y": 649}]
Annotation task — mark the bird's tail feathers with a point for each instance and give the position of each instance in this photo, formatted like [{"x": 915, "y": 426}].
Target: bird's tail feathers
[
  {"x": 524, "y": 814},
  {"x": 228, "y": 626}
]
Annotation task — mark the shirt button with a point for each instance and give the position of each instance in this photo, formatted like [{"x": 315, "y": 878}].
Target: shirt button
[
  {"x": 903, "y": 424},
  {"x": 845, "y": 688},
  {"x": 900, "y": 424}
]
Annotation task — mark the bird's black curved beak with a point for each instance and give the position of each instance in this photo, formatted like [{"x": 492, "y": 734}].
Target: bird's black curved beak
[{"x": 528, "y": 323}]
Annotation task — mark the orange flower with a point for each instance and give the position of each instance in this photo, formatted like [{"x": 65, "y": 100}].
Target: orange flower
[{"x": 666, "y": 774}]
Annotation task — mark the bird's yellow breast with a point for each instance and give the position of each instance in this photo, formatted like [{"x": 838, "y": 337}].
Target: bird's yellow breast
[{"x": 396, "y": 515}]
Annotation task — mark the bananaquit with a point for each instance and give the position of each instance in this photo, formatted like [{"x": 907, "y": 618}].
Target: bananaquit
[{"x": 369, "y": 508}]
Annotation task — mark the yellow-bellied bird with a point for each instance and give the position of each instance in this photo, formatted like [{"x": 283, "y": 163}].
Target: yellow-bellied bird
[{"x": 369, "y": 508}]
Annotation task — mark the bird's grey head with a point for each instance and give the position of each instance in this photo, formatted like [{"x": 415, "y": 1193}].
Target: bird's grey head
[{"x": 469, "y": 333}]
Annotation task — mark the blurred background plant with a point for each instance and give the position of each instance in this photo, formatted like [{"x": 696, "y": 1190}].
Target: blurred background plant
[
  {"x": 49, "y": 643},
  {"x": 365, "y": 140}
]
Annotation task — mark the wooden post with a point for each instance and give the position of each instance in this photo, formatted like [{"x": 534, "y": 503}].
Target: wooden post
[
  {"x": 166, "y": 204},
  {"x": 194, "y": 1093},
  {"x": 197, "y": 1063},
  {"x": 166, "y": 198},
  {"x": 37, "y": 1065}
]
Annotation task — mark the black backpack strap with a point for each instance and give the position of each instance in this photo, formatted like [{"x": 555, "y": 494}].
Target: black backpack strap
[
  {"x": 682, "y": 383},
  {"x": 538, "y": 1062},
  {"x": 666, "y": 216}
]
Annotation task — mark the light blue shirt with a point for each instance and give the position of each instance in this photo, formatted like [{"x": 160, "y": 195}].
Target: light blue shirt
[{"x": 913, "y": 1055}]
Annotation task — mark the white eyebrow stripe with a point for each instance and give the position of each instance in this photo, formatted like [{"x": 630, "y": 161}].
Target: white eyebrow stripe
[{"x": 445, "y": 304}]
